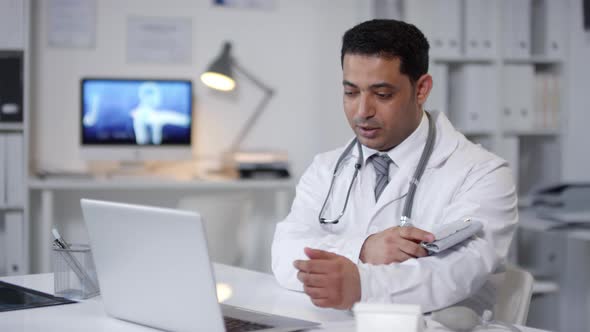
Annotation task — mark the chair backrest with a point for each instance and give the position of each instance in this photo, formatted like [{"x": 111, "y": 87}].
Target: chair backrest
[{"x": 514, "y": 296}]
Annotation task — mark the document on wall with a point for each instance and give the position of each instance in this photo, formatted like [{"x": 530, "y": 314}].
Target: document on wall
[
  {"x": 160, "y": 40},
  {"x": 71, "y": 23}
]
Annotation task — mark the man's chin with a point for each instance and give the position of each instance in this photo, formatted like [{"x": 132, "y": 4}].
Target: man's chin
[{"x": 371, "y": 143}]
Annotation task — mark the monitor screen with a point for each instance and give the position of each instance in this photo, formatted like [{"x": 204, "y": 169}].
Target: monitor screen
[{"x": 136, "y": 112}]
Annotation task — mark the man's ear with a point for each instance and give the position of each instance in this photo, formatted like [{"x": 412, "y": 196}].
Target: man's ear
[{"x": 423, "y": 87}]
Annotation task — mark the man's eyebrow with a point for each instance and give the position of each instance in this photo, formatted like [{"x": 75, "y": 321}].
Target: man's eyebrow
[
  {"x": 350, "y": 84},
  {"x": 383, "y": 85}
]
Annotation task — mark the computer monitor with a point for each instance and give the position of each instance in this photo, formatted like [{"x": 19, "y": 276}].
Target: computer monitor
[{"x": 135, "y": 119}]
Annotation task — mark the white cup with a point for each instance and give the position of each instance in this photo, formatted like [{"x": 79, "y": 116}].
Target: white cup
[{"x": 379, "y": 317}]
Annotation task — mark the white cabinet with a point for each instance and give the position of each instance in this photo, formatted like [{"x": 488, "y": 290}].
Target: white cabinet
[
  {"x": 14, "y": 66},
  {"x": 12, "y": 24}
]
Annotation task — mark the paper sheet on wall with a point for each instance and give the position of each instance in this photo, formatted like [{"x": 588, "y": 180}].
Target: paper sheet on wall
[
  {"x": 160, "y": 40},
  {"x": 71, "y": 23}
]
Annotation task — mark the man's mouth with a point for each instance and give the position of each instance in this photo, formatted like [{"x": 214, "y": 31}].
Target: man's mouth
[{"x": 368, "y": 132}]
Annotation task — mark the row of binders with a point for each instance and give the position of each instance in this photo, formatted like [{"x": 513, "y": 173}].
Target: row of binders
[
  {"x": 11, "y": 242},
  {"x": 531, "y": 99},
  {"x": 469, "y": 94},
  {"x": 471, "y": 27},
  {"x": 12, "y": 170}
]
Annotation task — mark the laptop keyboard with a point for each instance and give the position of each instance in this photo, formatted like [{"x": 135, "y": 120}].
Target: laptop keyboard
[{"x": 238, "y": 325}]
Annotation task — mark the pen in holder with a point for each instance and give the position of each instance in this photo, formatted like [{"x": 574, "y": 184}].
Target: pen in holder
[{"x": 74, "y": 272}]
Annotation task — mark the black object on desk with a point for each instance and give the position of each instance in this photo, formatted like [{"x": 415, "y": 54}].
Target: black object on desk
[{"x": 13, "y": 297}]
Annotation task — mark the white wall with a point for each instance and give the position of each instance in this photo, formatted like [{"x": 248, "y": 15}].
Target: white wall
[
  {"x": 576, "y": 156},
  {"x": 294, "y": 48}
]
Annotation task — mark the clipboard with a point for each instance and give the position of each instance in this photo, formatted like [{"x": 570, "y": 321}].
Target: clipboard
[{"x": 455, "y": 236}]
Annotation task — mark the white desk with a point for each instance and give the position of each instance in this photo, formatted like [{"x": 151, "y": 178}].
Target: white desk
[
  {"x": 252, "y": 290},
  {"x": 87, "y": 187}
]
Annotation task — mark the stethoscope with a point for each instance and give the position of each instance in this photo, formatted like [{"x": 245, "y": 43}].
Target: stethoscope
[{"x": 406, "y": 217}]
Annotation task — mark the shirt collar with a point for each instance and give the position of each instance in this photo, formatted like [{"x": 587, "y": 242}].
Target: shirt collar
[{"x": 405, "y": 153}]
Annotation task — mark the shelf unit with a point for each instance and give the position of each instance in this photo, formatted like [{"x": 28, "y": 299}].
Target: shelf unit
[
  {"x": 15, "y": 239},
  {"x": 7, "y": 126},
  {"x": 494, "y": 129},
  {"x": 533, "y": 148}
]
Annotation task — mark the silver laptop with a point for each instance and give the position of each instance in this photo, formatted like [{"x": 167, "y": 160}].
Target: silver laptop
[{"x": 153, "y": 269}]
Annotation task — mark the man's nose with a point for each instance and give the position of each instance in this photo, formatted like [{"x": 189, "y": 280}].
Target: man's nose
[{"x": 366, "y": 108}]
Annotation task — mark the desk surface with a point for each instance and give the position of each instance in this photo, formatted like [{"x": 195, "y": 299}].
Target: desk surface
[
  {"x": 252, "y": 290},
  {"x": 154, "y": 182}
]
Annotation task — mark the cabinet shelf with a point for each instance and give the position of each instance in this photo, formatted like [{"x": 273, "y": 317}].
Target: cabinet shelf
[
  {"x": 462, "y": 60},
  {"x": 535, "y": 59},
  {"x": 471, "y": 133},
  {"x": 4, "y": 208},
  {"x": 532, "y": 132},
  {"x": 7, "y": 126}
]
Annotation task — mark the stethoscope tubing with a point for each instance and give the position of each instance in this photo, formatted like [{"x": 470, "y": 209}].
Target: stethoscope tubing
[{"x": 406, "y": 217}]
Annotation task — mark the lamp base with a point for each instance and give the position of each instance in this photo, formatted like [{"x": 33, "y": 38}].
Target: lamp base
[{"x": 257, "y": 164}]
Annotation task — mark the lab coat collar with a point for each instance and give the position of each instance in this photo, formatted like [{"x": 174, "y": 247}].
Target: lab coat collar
[
  {"x": 407, "y": 154},
  {"x": 404, "y": 152},
  {"x": 446, "y": 142}
]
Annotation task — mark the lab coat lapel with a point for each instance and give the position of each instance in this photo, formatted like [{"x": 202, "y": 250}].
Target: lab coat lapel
[
  {"x": 446, "y": 142},
  {"x": 396, "y": 189}
]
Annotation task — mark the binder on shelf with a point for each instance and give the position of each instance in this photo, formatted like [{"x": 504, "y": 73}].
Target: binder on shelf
[
  {"x": 3, "y": 247},
  {"x": 516, "y": 28},
  {"x": 542, "y": 100},
  {"x": 387, "y": 9},
  {"x": 438, "y": 99},
  {"x": 546, "y": 100},
  {"x": 15, "y": 169},
  {"x": 14, "y": 232},
  {"x": 473, "y": 96},
  {"x": 2, "y": 170},
  {"x": 442, "y": 31},
  {"x": 517, "y": 87},
  {"x": 479, "y": 28},
  {"x": 555, "y": 109},
  {"x": 549, "y": 19}
]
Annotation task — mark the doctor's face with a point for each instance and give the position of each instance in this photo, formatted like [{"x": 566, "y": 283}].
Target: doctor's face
[{"x": 381, "y": 105}]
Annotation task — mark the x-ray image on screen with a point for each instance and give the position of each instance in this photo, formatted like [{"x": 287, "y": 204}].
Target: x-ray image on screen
[{"x": 136, "y": 112}]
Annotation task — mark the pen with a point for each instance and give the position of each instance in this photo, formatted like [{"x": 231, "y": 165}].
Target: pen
[{"x": 72, "y": 262}]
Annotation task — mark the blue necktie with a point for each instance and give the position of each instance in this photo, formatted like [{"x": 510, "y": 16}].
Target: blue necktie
[{"x": 381, "y": 166}]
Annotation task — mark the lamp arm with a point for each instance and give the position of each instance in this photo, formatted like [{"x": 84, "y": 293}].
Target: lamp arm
[{"x": 269, "y": 92}]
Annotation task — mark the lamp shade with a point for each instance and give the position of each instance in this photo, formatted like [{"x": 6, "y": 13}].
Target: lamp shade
[{"x": 219, "y": 75}]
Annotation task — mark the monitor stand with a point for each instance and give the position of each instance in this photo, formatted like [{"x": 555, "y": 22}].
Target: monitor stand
[
  {"x": 110, "y": 169},
  {"x": 179, "y": 170}
]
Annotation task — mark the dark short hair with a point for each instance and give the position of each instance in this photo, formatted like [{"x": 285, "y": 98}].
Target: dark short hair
[{"x": 389, "y": 38}]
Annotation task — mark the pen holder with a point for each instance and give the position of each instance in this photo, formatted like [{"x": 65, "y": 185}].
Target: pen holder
[{"x": 74, "y": 272}]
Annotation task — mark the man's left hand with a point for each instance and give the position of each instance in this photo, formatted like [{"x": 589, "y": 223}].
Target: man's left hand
[{"x": 330, "y": 280}]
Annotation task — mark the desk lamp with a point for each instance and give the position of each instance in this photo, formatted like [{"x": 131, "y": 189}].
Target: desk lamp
[{"x": 220, "y": 76}]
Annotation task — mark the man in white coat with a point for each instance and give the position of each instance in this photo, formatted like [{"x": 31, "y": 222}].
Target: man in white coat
[{"x": 366, "y": 255}]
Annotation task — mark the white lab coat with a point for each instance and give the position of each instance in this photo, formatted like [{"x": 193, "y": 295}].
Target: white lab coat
[{"x": 461, "y": 180}]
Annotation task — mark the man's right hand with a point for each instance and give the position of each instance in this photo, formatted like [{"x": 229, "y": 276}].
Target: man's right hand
[{"x": 394, "y": 245}]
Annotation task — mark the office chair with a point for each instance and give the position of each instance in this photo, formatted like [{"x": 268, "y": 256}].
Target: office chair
[{"x": 514, "y": 296}]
